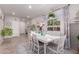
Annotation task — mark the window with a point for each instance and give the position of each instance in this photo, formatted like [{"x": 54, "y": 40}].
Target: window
[
  {"x": 53, "y": 24},
  {"x": 55, "y": 20}
]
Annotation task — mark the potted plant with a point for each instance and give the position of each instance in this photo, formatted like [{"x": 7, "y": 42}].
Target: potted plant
[
  {"x": 51, "y": 14},
  {"x": 6, "y": 32}
]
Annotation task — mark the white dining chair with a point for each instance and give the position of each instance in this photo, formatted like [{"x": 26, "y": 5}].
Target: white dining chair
[
  {"x": 37, "y": 47},
  {"x": 57, "y": 47}
]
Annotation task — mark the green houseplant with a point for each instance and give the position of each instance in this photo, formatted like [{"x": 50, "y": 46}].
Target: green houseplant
[
  {"x": 52, "y": 18},
  {"x": 51, "y": 14},
  {"x": 6, "y": 32}
]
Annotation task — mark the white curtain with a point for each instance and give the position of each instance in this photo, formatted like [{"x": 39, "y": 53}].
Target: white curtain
[{"x": 66, "y": 27}]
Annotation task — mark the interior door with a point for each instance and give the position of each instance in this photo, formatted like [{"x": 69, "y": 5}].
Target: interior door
[
  {"x": 22, "y": 27},
  {"x": 15, "y": 27}
]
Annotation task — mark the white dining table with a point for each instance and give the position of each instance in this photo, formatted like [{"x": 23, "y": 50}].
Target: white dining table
[{"x": 46, "y": 39}]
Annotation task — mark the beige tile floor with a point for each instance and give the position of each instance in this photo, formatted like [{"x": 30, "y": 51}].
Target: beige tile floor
[
  {"x": 9, "y": 46},
  {"x": 19, "y": 45}
]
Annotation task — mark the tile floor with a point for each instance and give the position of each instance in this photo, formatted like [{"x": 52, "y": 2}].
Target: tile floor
[{"x": 20, "y": 45}]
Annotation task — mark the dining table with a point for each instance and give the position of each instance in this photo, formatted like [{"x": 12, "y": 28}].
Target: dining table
[{"x": 45, "y": 38}]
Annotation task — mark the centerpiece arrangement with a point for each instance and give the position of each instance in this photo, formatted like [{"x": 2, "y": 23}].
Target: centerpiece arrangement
[{"x": 41, "y": 28}]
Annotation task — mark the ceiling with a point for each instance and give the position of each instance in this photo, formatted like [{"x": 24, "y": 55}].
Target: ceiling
[{"x": 22, "y": 10}]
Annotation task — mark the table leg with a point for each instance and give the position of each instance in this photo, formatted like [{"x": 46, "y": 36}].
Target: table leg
[{"x": 45, "y": 48}]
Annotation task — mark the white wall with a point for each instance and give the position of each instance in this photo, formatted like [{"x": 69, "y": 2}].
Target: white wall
[
  {"x": 74, "y": 11},
  {"x": 1, "y": 26},
  {"x": 15, "y": 27}
]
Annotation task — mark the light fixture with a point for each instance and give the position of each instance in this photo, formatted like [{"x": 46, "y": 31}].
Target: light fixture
[
  {"x": 13, "y": 13},
  {"x": 28, "y": 16},
  {"x": 29, "y": 6}
]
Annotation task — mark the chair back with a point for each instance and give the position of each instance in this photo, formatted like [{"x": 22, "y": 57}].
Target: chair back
[
  {"x": 35, "y": 44},
  {"x": 35, "y": 40}
]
